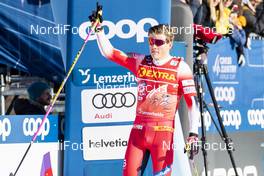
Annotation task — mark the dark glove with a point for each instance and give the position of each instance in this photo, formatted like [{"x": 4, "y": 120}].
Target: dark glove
[
  {"x": 229, "y": 33},
  {"x": 96, "y": 16},
  {"x": 192, "y": 146}
]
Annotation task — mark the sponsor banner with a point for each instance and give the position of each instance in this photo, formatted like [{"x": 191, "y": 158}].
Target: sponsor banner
[
  {"x": 233, "y": 120},
  {"x": 248, "y": 155},
  {"x": 108, "y": 105},
  {"x": 106, "y": 142},
  {"x": 21, "y": 128},
  {"x": 11, "y": 155},
  {"x": 104, "y": 78},
  {"x": 241, "y": 103},
  {"x": 127, "y": 31},
  {"x": 115, "y": 29},
  {"x": 250, "y": 170},
  {"x": 255, "y": 57},
  {"x": 224, "y": 68}
]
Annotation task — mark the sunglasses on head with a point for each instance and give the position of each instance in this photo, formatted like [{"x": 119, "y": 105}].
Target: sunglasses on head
[{"x": 157, "y": 42}]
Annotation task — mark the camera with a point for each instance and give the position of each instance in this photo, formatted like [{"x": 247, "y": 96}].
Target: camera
[
  {"x": 202, "y": 36},
  {"x": 205, "y": 34}
]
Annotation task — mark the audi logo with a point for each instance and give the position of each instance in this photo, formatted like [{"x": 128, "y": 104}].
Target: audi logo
[{"x": 117, "y": 100}]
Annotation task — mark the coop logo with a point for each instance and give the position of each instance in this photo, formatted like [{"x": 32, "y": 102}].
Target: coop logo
[
  {"x": 223, "y": 65},
  {"x": 227, "y": 94},
  {"x": 134, "y": 29},
  {"x": 246, "y": 171},
  {"x": 256, "y": 117},
  {"x": 107, "y": 143},
  {"x": 231, "y": 118},
  {"x": 5, "y": 128},
  {"x": 30, "y": 127}
]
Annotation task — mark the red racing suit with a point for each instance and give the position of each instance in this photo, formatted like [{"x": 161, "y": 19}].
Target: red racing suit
[{"x": 160, "y": 87}]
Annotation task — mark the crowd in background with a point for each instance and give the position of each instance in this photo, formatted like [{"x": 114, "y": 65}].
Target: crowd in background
[{"x": 233, "y": 18}]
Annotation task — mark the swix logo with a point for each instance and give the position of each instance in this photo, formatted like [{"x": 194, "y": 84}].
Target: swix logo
[
  {"x": 225, "y": 94},
  {"x": 117, "y": 29},
  {"x": 85, "y": 74},
  {"x": 247, "y": 171},
  {"x": 157, "y": 74},
  {"x": 5, "y": 128},
  {"x": 256, "y": 117},
  {"x": 231, "y": 118},
  {"x": 31, "y": 125}
]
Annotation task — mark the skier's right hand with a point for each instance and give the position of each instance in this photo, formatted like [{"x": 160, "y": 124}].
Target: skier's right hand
[{"x": 96, "y": 17}]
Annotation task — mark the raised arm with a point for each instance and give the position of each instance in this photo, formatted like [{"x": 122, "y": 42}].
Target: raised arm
[
  {"x": 131, "y": 60},
  {"x": 107, "y": 50}
]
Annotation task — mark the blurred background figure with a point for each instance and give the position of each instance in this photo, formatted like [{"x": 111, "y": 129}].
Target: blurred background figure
[
  {"x": 39, "y": 97},
  {"x": 238, "y": 36},
  {"x": 236, "y": 19}
]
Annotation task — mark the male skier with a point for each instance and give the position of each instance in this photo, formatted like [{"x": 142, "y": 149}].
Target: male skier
[{"x": 162, "y": 81}]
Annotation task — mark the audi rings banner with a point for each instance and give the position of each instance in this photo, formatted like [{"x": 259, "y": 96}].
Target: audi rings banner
[
  {"x": 101, "y": 96},
  {"x": 15, "y": 134}
]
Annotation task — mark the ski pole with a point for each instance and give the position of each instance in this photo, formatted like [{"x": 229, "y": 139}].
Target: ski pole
[{"x": 58, "y": 92}]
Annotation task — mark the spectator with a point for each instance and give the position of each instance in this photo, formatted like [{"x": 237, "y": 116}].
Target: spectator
[
  {"x": 207, "y": 14},
  {"x": 222, "y": 24},
  {"x": 259, "y": 27},
  {"x": 238, "y": 36},
  {"x": 194, "y": 5},
  {"x": 255, "y": 21},
  {"x": 249, "y": 5},
  {"x": 39, "y": 97}
]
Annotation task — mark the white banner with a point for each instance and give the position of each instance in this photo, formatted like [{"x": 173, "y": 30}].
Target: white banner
[
  {"x": 105, "y": 143},
  {"x": 109, "y": 105}
]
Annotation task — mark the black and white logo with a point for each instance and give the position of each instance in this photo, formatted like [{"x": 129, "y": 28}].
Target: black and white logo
[
  {"x": 256, "y": 117},
  {"x": 231, "y": 118},
  {"x": 85, "y": 74},
  {"x": 227, "y": 94},
  {"x": 117, "y": 100}
]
